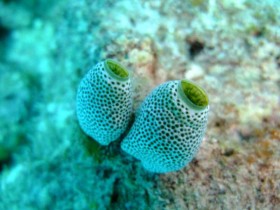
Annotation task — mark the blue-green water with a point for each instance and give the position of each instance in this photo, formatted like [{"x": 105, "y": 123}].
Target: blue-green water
[{"x": 230, "y": 48}]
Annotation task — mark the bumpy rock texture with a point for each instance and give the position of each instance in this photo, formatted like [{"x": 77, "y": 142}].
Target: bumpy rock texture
[
  {"x": 168, "y": 128},
  {"x": 104, "y": 102},
  {"x": 230, "y": 48}
]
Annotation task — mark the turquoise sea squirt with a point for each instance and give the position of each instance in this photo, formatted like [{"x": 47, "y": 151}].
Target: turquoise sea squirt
[
  {"x": 104, "y": 101},
  {"x": 169, "y": 126}
]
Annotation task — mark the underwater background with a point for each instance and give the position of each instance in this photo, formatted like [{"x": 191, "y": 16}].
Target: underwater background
[{"x": 229, "y": 47}]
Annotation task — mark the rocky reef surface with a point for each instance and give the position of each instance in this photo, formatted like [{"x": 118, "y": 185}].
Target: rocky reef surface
[{"x": 231, "y": 48}]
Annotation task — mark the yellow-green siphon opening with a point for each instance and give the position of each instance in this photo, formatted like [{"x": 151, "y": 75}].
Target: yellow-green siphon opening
[
  {"x": 116, "y": 70},
  {"x": 193, "y": 95}
]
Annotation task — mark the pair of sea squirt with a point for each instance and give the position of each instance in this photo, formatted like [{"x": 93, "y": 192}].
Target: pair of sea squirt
[{"x": 169, "y": 125}]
